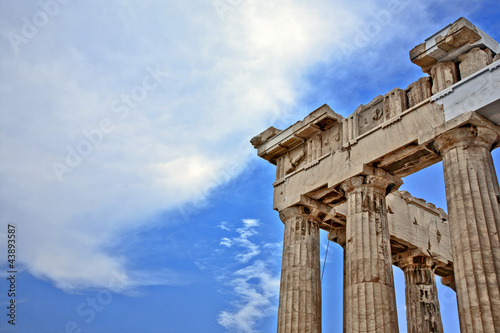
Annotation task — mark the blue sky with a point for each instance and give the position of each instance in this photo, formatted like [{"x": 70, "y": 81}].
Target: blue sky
[{"x": 125, "y": 162}]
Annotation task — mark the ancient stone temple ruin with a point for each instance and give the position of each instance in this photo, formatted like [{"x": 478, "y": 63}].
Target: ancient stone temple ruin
[{"x": 342, "y": 175}]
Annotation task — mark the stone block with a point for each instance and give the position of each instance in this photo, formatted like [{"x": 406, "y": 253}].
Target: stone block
[
  {"x": 263, "y": 137},
  {"x": 419, "y": 91},
  {"x": 460, "y": 33},
  {"x": 444, "y": 74},
  {"x": 371, "y": 115},
  {"x": 394, "y": 103},
  {"x": 451, "y": 42},
  {"x": 473, "y": 61}
]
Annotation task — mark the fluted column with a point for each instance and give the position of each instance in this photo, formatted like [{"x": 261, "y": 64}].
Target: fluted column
[
  {"x": 422, "y": 305},
  {"x": 300, "y": 289},
  {"x": 472, "y": 195},
  {"x": 369, "y": 288}
]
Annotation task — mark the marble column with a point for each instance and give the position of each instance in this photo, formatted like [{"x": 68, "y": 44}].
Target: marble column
[
  {"x": 472, "y": 195},
  {"x": 369, "y": 288},
  {"x": 300, "y": 289},
  {"x": 422, "y": 305}
]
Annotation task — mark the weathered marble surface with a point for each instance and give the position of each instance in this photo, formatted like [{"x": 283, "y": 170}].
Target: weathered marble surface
[
  {"x": 369, "y": 286},
  {"x": 330, "y": 174},
  {"x": 423, "y": 314},
  {"x": 300, "y": 288},
  {"x": 473, "y": 196}
]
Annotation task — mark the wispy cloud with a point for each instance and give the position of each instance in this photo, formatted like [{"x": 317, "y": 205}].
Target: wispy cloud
[
  {"x": 254, "y": 286},
  {"x": 226, "y": 242},
  {"x": 242, "y": 241},
  {"x": 223, "y": 226},
  {"x": 256, "y": 300}
]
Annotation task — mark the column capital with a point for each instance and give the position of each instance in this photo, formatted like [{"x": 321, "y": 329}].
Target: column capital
[
  {"x": 338, "y": 235},
  {"x": 449, "y": 281},
  {"x": 314, "y": 214},
  {"x": 415, "y": 261},
  {"x": 466, "y": 136},
  {"x": 378, "y": 178}
]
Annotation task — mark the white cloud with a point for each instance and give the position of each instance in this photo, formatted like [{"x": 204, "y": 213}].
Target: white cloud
[
  {"x": 226, "y": 242},
  {"x": 250, "y": 223},
  {"x": 242, "y": 241},
  {"x": 255, "y": 300},
  {"x": 227, "y": 80},
  {"x": 254, "y": 286},
  {"x": 223, "y": 226}
]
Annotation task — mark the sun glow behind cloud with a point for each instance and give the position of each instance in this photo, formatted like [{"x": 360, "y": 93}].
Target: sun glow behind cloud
[{"x": 221, "y": 82}]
